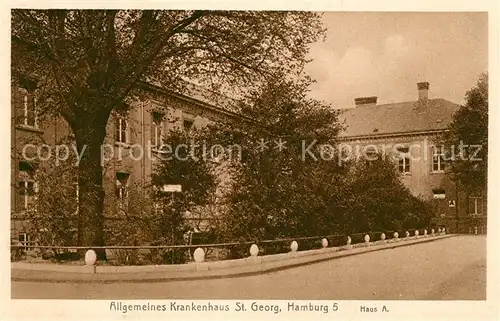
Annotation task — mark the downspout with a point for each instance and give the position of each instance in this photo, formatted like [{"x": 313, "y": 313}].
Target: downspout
[
  {"x": 143, "y": 143},
  {"x": 457, "y": 216}
]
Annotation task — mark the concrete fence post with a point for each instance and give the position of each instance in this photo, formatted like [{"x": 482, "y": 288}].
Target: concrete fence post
[
  {"x": 199, "y": 255},
  {"x": 90, "y": 257},
  {"x": 199, "y": 258},
  {"x": 324, "y": 243},
  {"x": 254, "y": 250},
  {"x": 294, "y": 246},
  {"x": 416, "y": 234},
  {"x": 396, "y": 236},
  {"x": 425, "y": 233},
  {"x": 407, "y": 235},
  {"x": 348, "y": 243},
  {"x": 367, "y": 240}
]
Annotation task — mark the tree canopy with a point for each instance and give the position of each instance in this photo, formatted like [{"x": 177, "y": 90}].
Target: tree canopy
[
  {"x": 469, "y": 128},
  {"x": 91, "y": 60},
  {"x": 279, "y": 190},
  {"x": 87, "y": 64}
]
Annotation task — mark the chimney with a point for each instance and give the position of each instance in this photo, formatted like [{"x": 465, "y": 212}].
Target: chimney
[
  {"x": 423, "y": 90},
  {"x": 365, "y": 101}
]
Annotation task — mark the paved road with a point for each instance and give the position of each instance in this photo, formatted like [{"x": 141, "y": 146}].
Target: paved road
[{"x": 448, "y": 269}]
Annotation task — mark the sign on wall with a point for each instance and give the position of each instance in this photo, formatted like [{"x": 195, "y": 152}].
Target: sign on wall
[{"x": 172, "y": 188}]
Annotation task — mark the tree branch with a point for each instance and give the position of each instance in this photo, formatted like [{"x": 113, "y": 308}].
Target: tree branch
[
  {"x": 140, "y": 68},
  {"x": 111, "y": 55}
]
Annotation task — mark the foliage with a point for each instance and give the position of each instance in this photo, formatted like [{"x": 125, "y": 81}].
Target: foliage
[
  {"x": 183, "y": 161},
  {"x": 271, "y": 196},
  {"x": 131, "y": 223},
  {"x": 376, "y": 199},
  {"x": 470, "y": 127},
  {"x": 87, "y": 64},
  {"x": 53, "y": 215},
  {"x": 290, "y": 193},
  {"x": 188, "y": 165}
]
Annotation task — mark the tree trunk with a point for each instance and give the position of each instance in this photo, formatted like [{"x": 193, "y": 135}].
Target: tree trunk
[{"x": 91, "y": 192}]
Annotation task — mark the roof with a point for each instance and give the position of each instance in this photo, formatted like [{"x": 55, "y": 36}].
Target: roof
[
  {"x": 398, "y": 118},
  {"x": 207, "y": 96},
  {"x": 201, "y": 94}
]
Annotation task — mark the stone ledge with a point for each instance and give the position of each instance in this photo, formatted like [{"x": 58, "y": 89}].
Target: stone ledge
[
  {"x": 52, "y": 267},
  {"x": 230, "y": 268}
]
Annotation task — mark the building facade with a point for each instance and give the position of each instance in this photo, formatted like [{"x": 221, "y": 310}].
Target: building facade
[
  {"x": 409, "y": 133},
  {"x": 142, "y": 128}
]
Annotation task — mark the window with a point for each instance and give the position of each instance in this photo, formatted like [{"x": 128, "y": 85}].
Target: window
[
  {"x": 121, "y": 130},
  {"x": 28, "y": 113},
  {"x": 404, "y": 160},
  {"x": 439, "y": 193},
  {"x": 475, "y": 205},
  {"x": 26, "y": 186},
  {"x": 157, "y": 133},
  {"x": 122, "y": 189},
  {"x": 25, "y": 240},
  {"x": 438, "y": 163},
  {"x": 188, "y": 124},
  {"x": 370, "y": 155}
]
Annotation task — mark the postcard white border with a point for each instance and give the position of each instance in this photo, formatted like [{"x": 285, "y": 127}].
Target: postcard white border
[{"x": 99, "y": 309}]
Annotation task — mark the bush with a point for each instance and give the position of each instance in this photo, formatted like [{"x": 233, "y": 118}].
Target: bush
[
  {"x": 66, "y": 256},
  {"x": 48, "y": 255},
  {"x": 17, "y": 254}
]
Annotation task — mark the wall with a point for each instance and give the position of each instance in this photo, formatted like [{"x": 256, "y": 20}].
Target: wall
[
  {"x": 422, "y": 180},
  {"x": 52, "y": 130}
]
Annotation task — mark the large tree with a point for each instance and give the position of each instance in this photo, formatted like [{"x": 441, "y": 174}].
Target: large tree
[
  {"x": 466, "y": 141},
  {"x": 87, "y": 64}
]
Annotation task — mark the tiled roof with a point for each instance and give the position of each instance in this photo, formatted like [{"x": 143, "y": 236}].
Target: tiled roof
[
  {"x": 207, "y": 96},
  {"x": 204, "y": 95},
  {"x": 397, "y": 118}
]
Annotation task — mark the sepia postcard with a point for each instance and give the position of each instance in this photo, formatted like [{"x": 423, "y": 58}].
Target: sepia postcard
[{"x": 207, "y": 160}]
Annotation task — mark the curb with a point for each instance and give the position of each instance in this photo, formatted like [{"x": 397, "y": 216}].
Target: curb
[{"x": 211, "y": 270}]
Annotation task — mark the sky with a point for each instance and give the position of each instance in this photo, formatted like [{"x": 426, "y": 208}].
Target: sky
[{"x": 385, "y": 54}]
